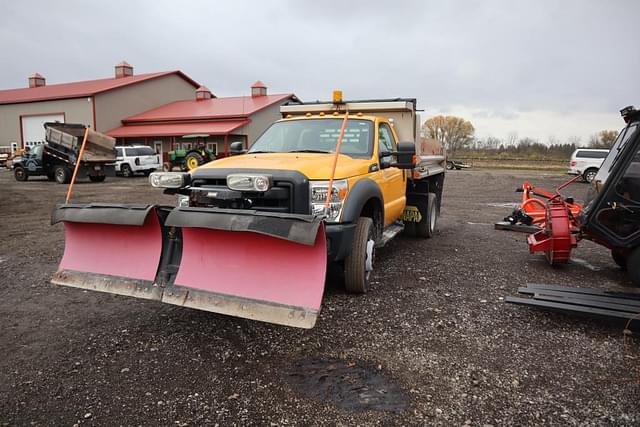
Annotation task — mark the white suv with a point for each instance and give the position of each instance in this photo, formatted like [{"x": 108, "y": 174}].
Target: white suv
[
  {"x": 586, "y": 162},
  {"x": 136, "y": 158}
]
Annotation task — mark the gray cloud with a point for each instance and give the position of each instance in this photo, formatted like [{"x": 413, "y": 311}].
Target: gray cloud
[{"x": 491, "y": 59}]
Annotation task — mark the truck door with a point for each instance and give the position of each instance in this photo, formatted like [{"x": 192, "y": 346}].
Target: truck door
[
  {"x": 393, "y": 179},
  {"x": 34, "y": 160}
]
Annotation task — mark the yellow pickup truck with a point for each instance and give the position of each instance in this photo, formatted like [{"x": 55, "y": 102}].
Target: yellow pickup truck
[{"x": 252, "y": 234}]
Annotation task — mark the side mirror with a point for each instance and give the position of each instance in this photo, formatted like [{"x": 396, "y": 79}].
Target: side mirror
[
  {"x": 237, "y": 147},
  {"x": 385, "y": 162},
  {"x": 405, "y": 156}
]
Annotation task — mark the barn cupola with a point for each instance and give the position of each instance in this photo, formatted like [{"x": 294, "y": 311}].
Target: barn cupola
[
  {"x": 203, "y": 93},
  {"x": 37, "y": 80},
  {"x": 258, "y": 89},
  {"x": 124, "y": 69}
]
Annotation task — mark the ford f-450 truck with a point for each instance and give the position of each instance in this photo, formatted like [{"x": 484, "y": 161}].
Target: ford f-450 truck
[{"x": 253, "y": 233}]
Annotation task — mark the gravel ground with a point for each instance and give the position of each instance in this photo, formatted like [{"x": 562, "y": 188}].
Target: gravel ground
[{"x": 432, "y": 342}]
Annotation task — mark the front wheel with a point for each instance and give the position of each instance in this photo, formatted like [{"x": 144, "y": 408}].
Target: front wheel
[
  {"x": 449, "y": 165},
  {"x": 20, "y": 174},
  {"x": 61, "y": 174},
  {"x": 126, "y": 170},
  {"x": 359, "y": 264},
  {"x": 99, "y": 178}
]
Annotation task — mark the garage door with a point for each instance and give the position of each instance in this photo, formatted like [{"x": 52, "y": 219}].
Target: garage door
[{"x": 33, "y": 127}]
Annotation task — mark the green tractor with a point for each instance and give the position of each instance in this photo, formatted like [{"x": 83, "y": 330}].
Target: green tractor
[{"x": 189, "y": 159}]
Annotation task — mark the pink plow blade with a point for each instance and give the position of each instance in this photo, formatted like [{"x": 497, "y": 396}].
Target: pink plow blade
[
  {"x": 114, "y": 258},
  {"x": 251, "y": 275}
]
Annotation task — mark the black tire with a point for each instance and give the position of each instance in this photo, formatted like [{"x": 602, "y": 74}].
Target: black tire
[
  {"x": 427, "y": 225},
  {"x": 589, "y": 174},
  {"x": 356, "y": 276},
  {"x": 147, "y": 172},
  {"x": 51, "y": 176},
  {"x": 126, "y": 171},
  {"x": 633, "y": 266},
  {"x": 619, "y": 258},
  {"x": 20, "y": 174},
  {"x": 193, "y": 160},
  {"x": 99, "y": 178},
  {"x": 450, "y": 166},
  {"x": 61, "y": 174}
]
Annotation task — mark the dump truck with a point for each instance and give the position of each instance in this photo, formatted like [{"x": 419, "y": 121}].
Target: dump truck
[
  {"x": 57, "y": 157},
  {"x": 252, "y": 234}
]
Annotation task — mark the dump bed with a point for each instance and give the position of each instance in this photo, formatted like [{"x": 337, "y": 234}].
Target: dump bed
[
  {"x": 99, "y": 147},
  {"x": 403, "y": 116}
]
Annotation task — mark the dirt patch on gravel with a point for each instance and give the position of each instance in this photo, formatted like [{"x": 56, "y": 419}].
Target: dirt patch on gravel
[{"x": 434, "y": 325}]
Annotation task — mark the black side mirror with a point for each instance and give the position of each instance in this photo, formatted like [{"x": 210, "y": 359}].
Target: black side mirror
[
  {"x": 405, "y": 156},
  {"x": 237, "y": 147},
  {"x": 385, "y": 162}
]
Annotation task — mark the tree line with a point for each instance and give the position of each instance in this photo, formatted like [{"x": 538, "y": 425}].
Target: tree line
[{"x": 458, "y": 137}]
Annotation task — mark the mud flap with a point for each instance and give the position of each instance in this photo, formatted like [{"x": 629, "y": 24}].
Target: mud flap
[
  {"x": 255, "y": 265},
  {"x": 110, "y": 248}
]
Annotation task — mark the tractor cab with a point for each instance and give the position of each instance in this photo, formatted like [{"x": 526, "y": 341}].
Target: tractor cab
[{"x": 611, "y": 214}]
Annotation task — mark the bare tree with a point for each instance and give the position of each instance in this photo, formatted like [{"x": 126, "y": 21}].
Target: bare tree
[
  {"x": 453, "y": 132},
  {"x": 603, "y": 139},
  {"x": 512, "y": 139}
]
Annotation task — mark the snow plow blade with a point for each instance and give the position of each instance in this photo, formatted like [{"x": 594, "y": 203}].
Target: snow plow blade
[
  {"x": 255, "y": 265},
  {"x": 110, "y": 248}
]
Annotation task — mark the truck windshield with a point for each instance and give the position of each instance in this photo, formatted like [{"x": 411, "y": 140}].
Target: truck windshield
[
  {"x": 317, "y": 136},
  {"x": 607, "y": 166}
]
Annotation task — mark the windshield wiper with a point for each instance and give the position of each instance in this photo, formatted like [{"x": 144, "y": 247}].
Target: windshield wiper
[{"x": 309, "y": 151}]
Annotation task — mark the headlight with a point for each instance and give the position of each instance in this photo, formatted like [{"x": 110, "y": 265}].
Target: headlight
[
  {"x": 319, "y": 190},
  {"x": 169, "y": 179},
  {"x": 248, "y": 182}
]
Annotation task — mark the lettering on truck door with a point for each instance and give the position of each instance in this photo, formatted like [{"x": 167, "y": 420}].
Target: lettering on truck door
[{"x": 393, "y": 179}]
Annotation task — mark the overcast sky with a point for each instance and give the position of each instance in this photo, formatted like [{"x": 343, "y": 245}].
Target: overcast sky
[{"x": 542, "y": 69}]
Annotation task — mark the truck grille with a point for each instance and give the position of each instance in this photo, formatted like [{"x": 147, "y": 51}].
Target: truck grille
[
  {"x": 289, "y": 192},
  {"x": 279, "y": 198}
]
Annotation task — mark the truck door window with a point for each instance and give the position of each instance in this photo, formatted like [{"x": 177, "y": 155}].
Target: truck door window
[
  {"x": 386, "y": 144},
  {"x": 130, "y": 152},
  {"x": 629, "y": 185},
  {"x": 37, "y": 151}
]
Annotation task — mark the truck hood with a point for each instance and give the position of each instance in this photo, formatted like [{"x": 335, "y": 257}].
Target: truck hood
[{"x": 315, "y": 166}]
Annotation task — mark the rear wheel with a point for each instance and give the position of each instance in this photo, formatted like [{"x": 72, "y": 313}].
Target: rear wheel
[
  {"x": 20, "y": 174},
  {"x": 633, "y": 266},
  {"x": 193, "y": 160},
  {"x": 619, "y": 258},
  {"x": 99, "y": 178},
  {"x": 61, "y": 174},
  {"x": 427, "y": 225},
  {"x": 126, "y": 171},
  {"x": 589, "y": 174},
  {"x": 359, "y": 264}
]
